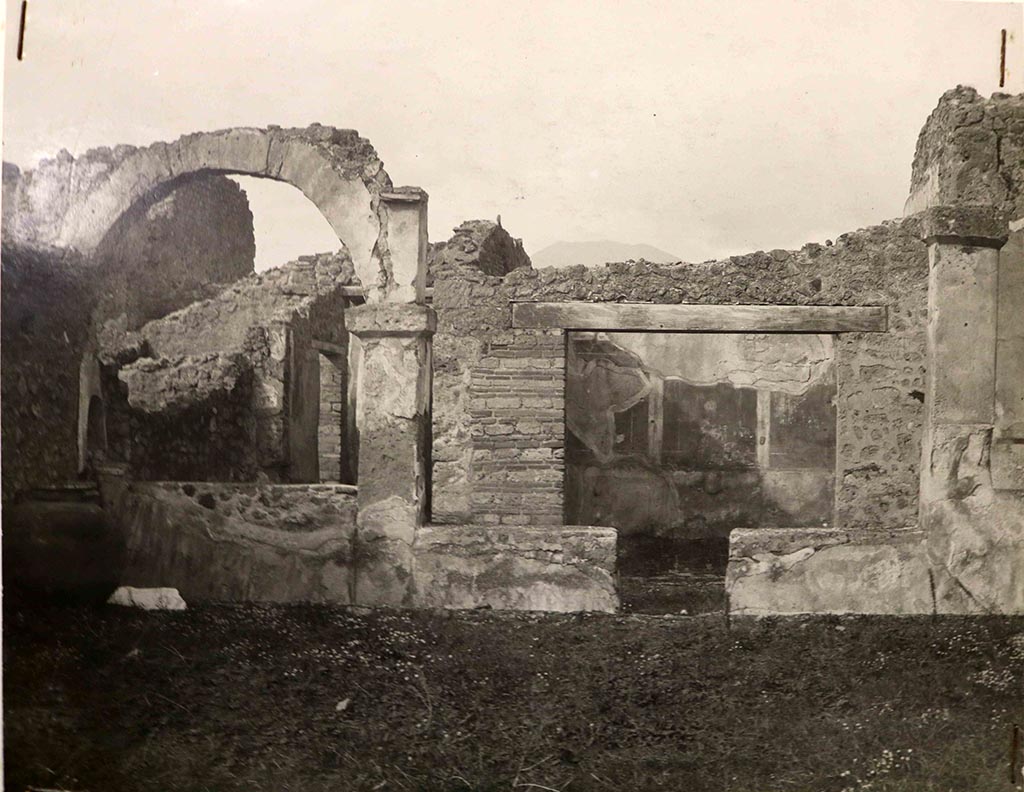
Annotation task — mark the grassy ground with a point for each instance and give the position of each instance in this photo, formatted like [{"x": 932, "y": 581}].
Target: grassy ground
[{"x": 318, "y": 698}]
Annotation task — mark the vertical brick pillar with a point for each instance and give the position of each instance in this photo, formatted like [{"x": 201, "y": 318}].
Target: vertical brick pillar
[
  {"x": 394, "y": 431},
  {"x": 971, "y": 550},
  {"x": 518, "y": 430}
]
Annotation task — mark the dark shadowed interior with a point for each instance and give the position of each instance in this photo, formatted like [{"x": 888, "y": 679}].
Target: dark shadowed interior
[{"x": 675, "y": 439}]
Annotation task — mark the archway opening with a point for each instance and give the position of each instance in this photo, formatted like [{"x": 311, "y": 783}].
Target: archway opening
[
  {"x": 186, "y": 292},
  {"x": 286, "y": 224}
]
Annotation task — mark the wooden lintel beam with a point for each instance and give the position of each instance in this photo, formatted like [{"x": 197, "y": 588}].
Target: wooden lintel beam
[
  {"x": 359, "y": 293},
  {"x": 328, "y": 347},
  {"x": 701, "y": 318}
]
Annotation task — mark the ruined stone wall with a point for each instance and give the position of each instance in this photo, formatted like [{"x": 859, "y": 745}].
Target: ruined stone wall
[
  {"x": 45, "y": 301},
  {"x": 880, "y": 376},
  {"x": 166, "y": 252},
  {"x": 301, "y": 543},
  {"x": 37, "y": 201},
  {"x": 214, "y": 541},
  {"x": 176, "y": 244},
  {"x": 243, "y": 362},
  {"x": 223, "y": 322},
  {"x": 215, "y": 435},
  {"x": 481, "y": 244},
  {"x": 170, "y": 250}
]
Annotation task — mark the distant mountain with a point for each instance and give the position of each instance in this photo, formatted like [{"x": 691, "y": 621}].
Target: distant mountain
[{"x": 567, "y": 254}]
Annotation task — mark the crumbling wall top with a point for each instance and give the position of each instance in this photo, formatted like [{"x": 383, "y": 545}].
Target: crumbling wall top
[
  {"x": 971, "y": 152},
  {"x": 222, "y": 324},
  {"x": 482, "y": 244}
]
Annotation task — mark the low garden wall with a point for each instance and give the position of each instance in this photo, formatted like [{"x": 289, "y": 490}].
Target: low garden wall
[{"x": 300, "y": 543}]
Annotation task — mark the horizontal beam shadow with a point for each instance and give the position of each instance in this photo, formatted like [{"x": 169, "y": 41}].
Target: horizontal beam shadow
[{"x": 701, "y": 318}]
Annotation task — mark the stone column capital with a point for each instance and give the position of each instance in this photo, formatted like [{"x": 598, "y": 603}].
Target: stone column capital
[
  {"x": 976, "y": 226},
  {"x": 391, "y": 320}
]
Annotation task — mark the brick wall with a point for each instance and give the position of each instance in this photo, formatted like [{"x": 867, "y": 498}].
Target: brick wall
[
  {"x": 332, "y": 406},
  {"x": 517, "y": 408}
]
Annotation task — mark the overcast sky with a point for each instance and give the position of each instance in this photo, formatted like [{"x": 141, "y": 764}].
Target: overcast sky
[{"x": 703, "y": 128}]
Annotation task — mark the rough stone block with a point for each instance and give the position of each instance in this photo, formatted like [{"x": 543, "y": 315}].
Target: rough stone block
[
  {"x": 790, "y": 571},
  {"x": 966, "y": 225},
  {"x": 148, "y": 598},
  {"x": 561, "y": 568}
]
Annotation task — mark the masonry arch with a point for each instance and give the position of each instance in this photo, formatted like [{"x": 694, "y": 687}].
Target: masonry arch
[{"x": 338, "y": 171}]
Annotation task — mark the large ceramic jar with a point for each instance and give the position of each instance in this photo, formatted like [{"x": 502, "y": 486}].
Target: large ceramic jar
[{"x": 60, "y": 543}]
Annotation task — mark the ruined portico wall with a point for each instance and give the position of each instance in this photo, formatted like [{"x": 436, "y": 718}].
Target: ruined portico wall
[
  {"x": 968, "y": 555},
  {"x": 158, "y": 257},
  {"x": 499, "y": 424}
]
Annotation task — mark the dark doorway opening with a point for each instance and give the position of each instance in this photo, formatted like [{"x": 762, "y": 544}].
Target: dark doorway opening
[{"x": 676, "y": 439}]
